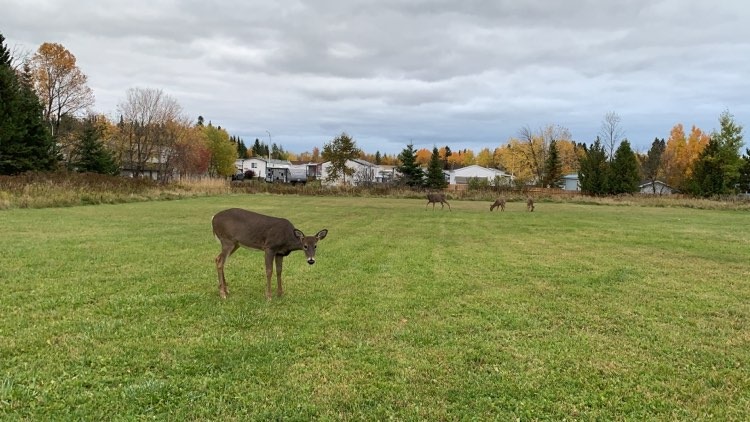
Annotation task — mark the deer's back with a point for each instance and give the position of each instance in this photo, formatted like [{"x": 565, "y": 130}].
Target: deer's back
[
  {"x": 254, "y": 230},
  {"x": 436, "y": 197}
]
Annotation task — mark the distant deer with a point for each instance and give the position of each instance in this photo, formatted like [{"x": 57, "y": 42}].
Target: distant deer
[
  {"x": 434, "y": 198},
  {"x": 499, "y": 203},
  {"x": 530, "y": 204},
  {"x": 276, "y": 236}
]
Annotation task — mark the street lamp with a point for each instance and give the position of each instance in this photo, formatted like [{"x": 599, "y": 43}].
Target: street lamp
[{"x": 269, "y": 143}]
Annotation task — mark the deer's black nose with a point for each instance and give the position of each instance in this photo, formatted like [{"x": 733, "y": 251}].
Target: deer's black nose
[{"x": 311, "y": 261}]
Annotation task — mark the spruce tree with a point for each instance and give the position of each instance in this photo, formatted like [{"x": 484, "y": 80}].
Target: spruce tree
[
  {"x": 553, "y": 167},
  {"x": 91, "y": 154},
  {"x": 25, "y": 141},
  {"x": 652, "y": 164},
  {"x": 623, "y": 171},
  {"x": 718, "y": 167},
  {"x": 435, "y": 176},
  {"x": 411, "y": 174},
  {"x": 592, "y": 174}
]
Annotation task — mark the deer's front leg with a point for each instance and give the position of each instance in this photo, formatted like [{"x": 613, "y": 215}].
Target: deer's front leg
[
  {"x": 279, "y": 265},
  {"x": 269, "y": 272}
]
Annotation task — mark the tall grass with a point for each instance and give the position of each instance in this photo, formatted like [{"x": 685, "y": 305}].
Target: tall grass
[{"x": 44, "y": 190}]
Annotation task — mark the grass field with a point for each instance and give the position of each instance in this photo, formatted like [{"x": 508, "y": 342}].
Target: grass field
[{"x": 571, "y": 312}]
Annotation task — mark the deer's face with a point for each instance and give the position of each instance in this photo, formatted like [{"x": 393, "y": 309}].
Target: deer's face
[{"x": 310, "y": 243}]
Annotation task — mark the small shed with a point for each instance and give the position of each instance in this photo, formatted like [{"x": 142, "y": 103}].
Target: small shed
[{"x": 571, "y": 182}]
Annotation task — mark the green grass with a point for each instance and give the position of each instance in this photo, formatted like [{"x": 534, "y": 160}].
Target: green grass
[{"x": 571, "y": 312}]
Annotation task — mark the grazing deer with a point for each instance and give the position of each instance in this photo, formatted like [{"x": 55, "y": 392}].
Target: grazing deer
[
  {"x": 276, "y": 236},
  {"x": 499, "y": 203},
  {"x": 530, "y": 204},
  {"x": 435, "y": 198}
]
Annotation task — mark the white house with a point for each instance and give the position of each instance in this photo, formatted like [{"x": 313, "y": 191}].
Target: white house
[
  {"x": 464, "y": 174},
  {"x": 571, "y": 182},
  {"x": 261, "y": 167},
  {"x": 364, "y": 172},
  {"x": 657, "y": 187}
]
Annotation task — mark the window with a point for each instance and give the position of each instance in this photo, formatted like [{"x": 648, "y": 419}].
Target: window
[{"x": 253, "y": 165}]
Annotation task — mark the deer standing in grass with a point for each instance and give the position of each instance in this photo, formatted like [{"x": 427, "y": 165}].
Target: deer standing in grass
[
  {"x": 530, "y": 204},
  {"x": 434, "y": 198},
  {"x": 276, "y": 236},
  {"x": 499, "y": 203}
]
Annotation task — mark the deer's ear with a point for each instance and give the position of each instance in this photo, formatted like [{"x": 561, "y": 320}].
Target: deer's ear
[
  {"x": 299, "y": 234},
  {"x": 321, "y": 234}
]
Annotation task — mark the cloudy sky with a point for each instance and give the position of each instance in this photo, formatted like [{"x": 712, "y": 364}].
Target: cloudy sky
[{"x": 468, "y": 74}]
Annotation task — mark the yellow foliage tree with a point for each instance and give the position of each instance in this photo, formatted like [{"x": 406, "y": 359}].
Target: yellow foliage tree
[{"x": 680, "y": 153}]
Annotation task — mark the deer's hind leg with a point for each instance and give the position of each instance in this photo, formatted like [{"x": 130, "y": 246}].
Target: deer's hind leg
[
  {"x": 227, "y": 249},
  {"x": 270, "y": 255}
]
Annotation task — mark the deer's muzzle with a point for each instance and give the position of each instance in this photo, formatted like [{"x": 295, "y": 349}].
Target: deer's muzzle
[{"x": 310, "y": 261}]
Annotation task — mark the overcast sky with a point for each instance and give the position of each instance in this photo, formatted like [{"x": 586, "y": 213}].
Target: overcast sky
[{"x": 468, "y": 74}]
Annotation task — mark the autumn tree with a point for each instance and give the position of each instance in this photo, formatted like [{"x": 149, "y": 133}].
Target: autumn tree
[
  {"x": 485, "y": 158},
  {"x": 435, "y": 177},
  {"x": 623, "y": 171},
  {"x": 148, "y": 124},
  {"x": 192, "y": 155},
  {"x": 593, "y": 171},
  {"x": 651, "y": 166},
  {"x": 536, "y": 146},
  {"x": 222, "y": 151},
  {"x": 338, "y": 151},
  {"x": 680, "y": 153},
  {"x": 423, "y": 156},
  {"x": 411, "y": 174},
  {"x": 25, "y": 141},
  {"x": 60, "y": 84},
  {"x": 611, "y": 133},
  {"x": 717, "y": 169}
]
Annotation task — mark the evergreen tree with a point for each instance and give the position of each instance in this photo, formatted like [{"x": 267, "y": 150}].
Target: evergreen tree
[
  {"x": 745, "y": 173},
  {"x": 553, "y": 167},
  {"x": 623, "y": 171},
  {"x": 378, "y": 158},
  {"x": 717, "y": 169},
  {"x": 90, "y": 154},
  {"x": 435, "y": 176},
  {"x": 25, "y": 141},
  {"x": 241, "y": 148},
  {"x": 199, "y": 123},
  {"x": 338, "y": 151},
  {"x": 448, "y": 153},
  {"x": 592, "y": 174},
  {"x": 411, "y": 174},
  {"x": 652, "y": 164}
]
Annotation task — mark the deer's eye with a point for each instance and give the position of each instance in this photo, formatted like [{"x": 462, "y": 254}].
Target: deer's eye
[{"x": 305, "y": 246}]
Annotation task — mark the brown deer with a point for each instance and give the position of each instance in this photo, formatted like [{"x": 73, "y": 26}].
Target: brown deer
[
  {"x": 499, "y": 203},
  {"x": 434, "y": 198},
  {"x": 276, "y": 236},
  {"x": 530, "y": 204}
]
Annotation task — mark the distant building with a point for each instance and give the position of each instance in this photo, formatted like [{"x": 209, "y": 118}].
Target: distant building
[
  {"x": 462, "y": 175},
  {"x": 657, "y": 187},
  {"x": 571, "y": 182},
  {"x": 364, "y": 173}
]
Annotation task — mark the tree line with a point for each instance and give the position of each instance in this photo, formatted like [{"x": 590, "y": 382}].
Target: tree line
[{"x": 46, "y": 123}]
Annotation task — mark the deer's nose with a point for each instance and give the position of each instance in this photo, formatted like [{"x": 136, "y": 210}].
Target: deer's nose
[{"x": 310, "y": 261}]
